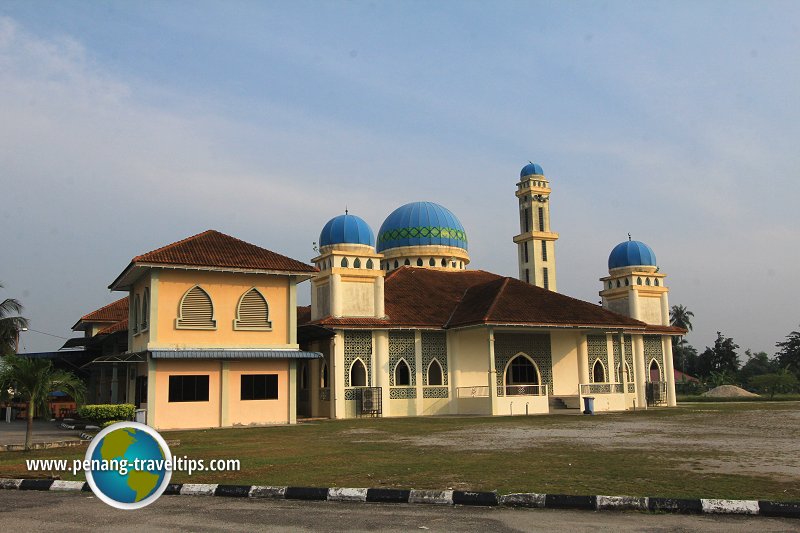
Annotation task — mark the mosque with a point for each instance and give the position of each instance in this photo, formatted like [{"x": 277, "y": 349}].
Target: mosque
[{"x": 209, "y": 333}]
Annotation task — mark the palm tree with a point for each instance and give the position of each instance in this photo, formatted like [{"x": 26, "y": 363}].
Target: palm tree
[
  {"x": 10, "y": 326},
  {"x": 34, "y": 380},
  {"x": 681, "y": 317}
]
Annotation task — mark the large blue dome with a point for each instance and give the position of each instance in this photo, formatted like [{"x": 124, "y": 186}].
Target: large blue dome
[
  {"x": 531, "y": 168},
  {"x": 631, "y": 253},
  {"x": 419, "y": 224},
  {"x": 346, "y": 229}
]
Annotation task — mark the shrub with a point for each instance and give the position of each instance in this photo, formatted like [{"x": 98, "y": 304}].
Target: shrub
[
  {"x": 107, "y": 423},
  {"x": 104, "y": 412}
]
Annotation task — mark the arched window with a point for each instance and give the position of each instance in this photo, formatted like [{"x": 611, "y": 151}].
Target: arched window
[
  {"x": 435, "y": 373},
  {"x": 304, "y": 376},
  {"x": 647, "y": 281},
  {"x": 196, "y": 310},
  {"x": 598, "y": 372},
  {"x": 323, "y": 375},
  {"x": 407, "y": 262},
  {"x": 145, "y": 307},
  {"x": 638, "y": 281},
  {"x": 358, "y": 374},
  {"x": 519, "y": 372},
  {"x": 136, "y": 313},
  {"x": 370, "y": 264},
  {"x": 402, "y": 374},
  {"x": 357, "y": 263},
  {"x": 396, "y": 264},
  {"x": 609, "y": 285},
  {"x": 655, "y": 282},
  {"x": 627, "y": 282},
  {"x": 618, "y": 283},
  {"x": 655, "y": 371},
  {"x": 444, "y": 262},
  {"x": 252, "y": 312},
  {"x": 432, "y": 262},
  {"x": 419, "y": 261},
  {"x": 345, "y": 262}
]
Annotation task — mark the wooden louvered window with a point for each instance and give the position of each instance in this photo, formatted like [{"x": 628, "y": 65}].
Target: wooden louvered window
[
  {"x": 196, "y": 310},
  {"x": 145, "y": 308},
  {"x": 253, "y": 312}
]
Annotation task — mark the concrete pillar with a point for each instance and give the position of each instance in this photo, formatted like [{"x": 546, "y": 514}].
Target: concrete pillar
[
  {"x": 379, "y": 301},
  {"x": 292, "y": 322},
  {"x": 293, "y": 391},
  {"x": 669, "y": 370},
  {"x": 665, "y": 310},
  {"x": 381, "y": 340},
  {"x": 492, "y": 374},
  {"x": 314, "y": 385},
  {"x": 611, "y": 377},
  {"x": 151, "y": 392},
  {"x": 633, "y": 302},
  {"x": 639, "y": 372},
  {"x": 224, "y": 394},
  {"x": 336, "y": 294},
  {"x": 336, "y": 377},
  {"x": 583, "y": 362},
  {"x": 452, "y": 370},
  {"x": 419, "y": 371}
]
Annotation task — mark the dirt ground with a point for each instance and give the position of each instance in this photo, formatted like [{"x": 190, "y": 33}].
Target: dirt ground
[{"x": 730, "y": 440}]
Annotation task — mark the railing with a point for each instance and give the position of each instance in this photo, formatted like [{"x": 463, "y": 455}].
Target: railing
[
  {"x": 472, "y": 392},
  {"x": 602, "y": 388},
  {"x": 523, "y": 390}
]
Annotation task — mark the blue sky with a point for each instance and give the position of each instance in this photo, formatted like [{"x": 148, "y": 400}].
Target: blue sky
[{"x": 126, "y": 126}]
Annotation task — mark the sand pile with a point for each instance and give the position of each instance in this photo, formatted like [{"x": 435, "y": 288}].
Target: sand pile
[{"x": 729, "y": 391}]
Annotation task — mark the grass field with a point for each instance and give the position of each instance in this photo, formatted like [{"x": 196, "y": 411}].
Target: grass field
[{"x": 725, "y": 450}]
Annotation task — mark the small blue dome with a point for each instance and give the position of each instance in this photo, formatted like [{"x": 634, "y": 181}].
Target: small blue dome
[
  {"x": 631, "y": 253},
  {"x": 531, "y": 168},
  {"x": 419, "y": 224},
  {"x": 346, "y": 229}
]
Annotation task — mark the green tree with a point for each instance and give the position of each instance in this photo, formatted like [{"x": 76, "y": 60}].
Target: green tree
[
  {"x": 780, "y": 381},
  {"x": 789, "y": 354},
  {"x": 34, "y": 380},
  {"x": 721, "y": 358},
  {"x": 681, "y": 317},
  {"x": 10, "y": 324},
  {"x": 686, "y": 354},
  {"x": 756, "y": 365}
]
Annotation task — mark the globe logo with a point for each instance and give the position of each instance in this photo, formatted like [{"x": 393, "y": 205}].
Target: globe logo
[{"x": 130, "y": 465}]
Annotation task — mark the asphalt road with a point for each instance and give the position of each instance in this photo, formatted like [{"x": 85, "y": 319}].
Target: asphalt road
[{"x": 50, "y": 511}]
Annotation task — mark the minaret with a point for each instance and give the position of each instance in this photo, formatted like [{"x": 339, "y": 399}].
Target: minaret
[{"x": 535, "y": 243}]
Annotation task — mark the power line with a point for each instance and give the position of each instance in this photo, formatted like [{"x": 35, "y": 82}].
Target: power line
[{"x": 45, "y": 333}]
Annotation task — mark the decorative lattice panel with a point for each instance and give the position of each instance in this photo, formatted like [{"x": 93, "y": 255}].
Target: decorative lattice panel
[
  {"x": 597, "y": 350},
  {"x": 435, "y": 392},
  {"x": 350, "y": 394},
  {"x": 325, "y": 395},
  {"x": 654, "y": 350},
  {"x": 402, "y": 393},
  {"x": 434, "y": 346},
  {"x": 628, "y": 357},
  {"x": 357, "y": 345},
  {"x": 401, "y": 346},
  {"x": 535, "y": 346}
]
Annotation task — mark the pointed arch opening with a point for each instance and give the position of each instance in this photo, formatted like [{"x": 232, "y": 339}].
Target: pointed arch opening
[
  {"x": 358, "y": 374},
  {"x": 370, "y": 264},
  {"x": 323, "y": 375},
  {"x": 655, "y": 371},
  {"x": 520, "y": 371},
  {"x": 345, "y": 263},
  {"x": 252, "y": 312},
  {"x": 435, "y": 374},
  {"x": 357, "y": 263},
  {"x": 626, "y": 376},
  {"x": 145, "y": 308},
  {"x": 196, "y": 310},
  {"x": 136, "y": 314},
  {"x": 599, "y": 372},
  {"x": 402, "y": 374}
]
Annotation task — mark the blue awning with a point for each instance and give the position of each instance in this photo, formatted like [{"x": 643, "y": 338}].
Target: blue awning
[{"x": 234, "y": 354}]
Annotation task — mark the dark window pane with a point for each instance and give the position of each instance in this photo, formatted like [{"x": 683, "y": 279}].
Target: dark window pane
[{"x": 259, "y": 387}]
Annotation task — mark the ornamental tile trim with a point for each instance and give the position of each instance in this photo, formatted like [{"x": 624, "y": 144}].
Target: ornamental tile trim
[
  {"x": 435, "y": 392},
  {"x": 357, "y": 345},
  {"x": 597, "y": 350},
  {"x": 401, "y": 346},
  {"x": 434, "y": 346},
  {"x": 424, "y": 232},
  {"x": 402, "y": 393},
  {"x": 535, "y": 346}
]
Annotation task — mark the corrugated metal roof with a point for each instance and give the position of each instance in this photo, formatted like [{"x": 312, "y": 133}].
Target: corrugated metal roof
[{"x": 234, "y": 354}]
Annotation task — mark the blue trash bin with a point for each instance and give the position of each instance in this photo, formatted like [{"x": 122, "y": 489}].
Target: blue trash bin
[{"x": 588, "y": 405}]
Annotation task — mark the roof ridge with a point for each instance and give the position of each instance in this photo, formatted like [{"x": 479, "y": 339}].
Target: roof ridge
[
  {"x": 496, "y": 297},
  {"x": 176, "y": 243},
  {"x": 115, "y": 302}
]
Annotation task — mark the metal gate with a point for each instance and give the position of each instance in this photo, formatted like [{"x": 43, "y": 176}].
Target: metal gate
[
  {"x": 368, "y": 401},
  {"x": 656, "y": 392}
]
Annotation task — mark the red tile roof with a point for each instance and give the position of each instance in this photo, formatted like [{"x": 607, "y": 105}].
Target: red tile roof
[
  {"x": 420, "y": 297},
  {"x": 113, "y": 312},
  {"x": 122, "y": 325},
  {"x": 214, "y": 249}
]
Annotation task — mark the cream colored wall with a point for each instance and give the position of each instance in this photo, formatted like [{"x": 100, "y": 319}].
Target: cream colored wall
[
  {"x": 618, "y": 305},
  {"x": 402, "y": 407},
  {"x": 515, "y": 405},
  {"x": 564, "y": 350},
  {"x": 225, "y": 290},
  {"x": 472, "y": 354},
  {"x": 185, "y": 415},
  {"x": 358, "y": 298},
  {"x": 474, "y": 406},
  {"x": 650, "y": 309},
  {"x": 258, "y": 411},
  {"x": 436, "y": 406}
]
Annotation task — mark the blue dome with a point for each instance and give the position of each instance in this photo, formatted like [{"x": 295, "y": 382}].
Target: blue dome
[
  {"x": 420, "y": 224},
  {"x": 529, "y": 169},
  {"x": 346, "y": 229},
  {"x": 631, "y": 253}
]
